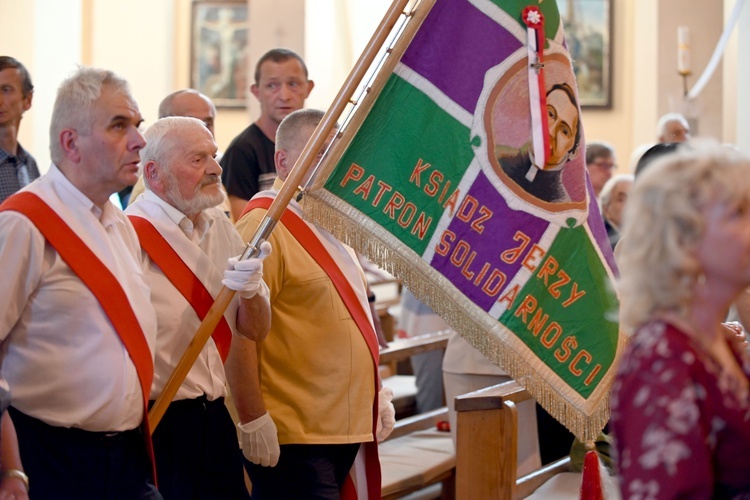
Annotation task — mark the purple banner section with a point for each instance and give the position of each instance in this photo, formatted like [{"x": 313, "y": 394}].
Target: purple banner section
[
  {"x": 597, "y": 229},
  {"x": 454, "y": 48},
  {"x": 480, "y": 266}
]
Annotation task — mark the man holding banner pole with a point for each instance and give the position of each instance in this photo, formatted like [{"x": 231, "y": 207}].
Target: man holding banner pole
[
  {"x": 188, "y": 242},
  {"x": 416, "y": 184},
  {"x": 318, "y": 365}
]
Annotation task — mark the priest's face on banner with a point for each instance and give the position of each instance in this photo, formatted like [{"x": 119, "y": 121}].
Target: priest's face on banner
[
  {"x": 557, "y": 185},
  {"x": 562, "y": 119}
]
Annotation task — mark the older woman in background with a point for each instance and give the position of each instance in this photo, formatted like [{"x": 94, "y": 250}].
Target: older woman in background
[
  {"x": 612, "y": 201},
  {"x": 680, "y": 411}
]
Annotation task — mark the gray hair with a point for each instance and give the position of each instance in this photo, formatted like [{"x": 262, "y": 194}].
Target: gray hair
[
  {"x": 74, "y": 104},
  {"x": 664, "y": 222},
  {"x": 605, "y": 196},
  {"x": 661, "y": 125},
  {"x": 158, "y": 146}
]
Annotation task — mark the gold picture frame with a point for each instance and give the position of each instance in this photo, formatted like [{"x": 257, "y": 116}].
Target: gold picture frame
[
  {"x": 218, "y": 60},
  {"x": 588, "y": 35}
]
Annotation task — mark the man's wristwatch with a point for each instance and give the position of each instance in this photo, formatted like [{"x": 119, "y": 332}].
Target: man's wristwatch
[{"x": 16, "y": 473}]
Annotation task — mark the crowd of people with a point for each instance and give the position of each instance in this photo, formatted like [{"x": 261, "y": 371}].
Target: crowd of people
[
  {"x": 102, "y": 302},
  {"x": 680, "y": 402}
]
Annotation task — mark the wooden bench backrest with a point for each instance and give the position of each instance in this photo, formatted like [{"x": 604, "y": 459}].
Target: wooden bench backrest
[{"x": 487, "y": 444}]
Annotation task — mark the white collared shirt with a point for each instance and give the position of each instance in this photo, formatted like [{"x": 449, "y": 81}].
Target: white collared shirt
[
  {"x": 63, "y": 360},
  {"x": 205, "y": 248}
]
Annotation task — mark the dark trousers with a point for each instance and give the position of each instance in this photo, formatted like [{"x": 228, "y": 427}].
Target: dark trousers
[
  {"x": 554, "y": 439},
  {"x": 197, "y": 452},
  {"x": 304, "y": 471},
  {"x": 66, "y": 463}
]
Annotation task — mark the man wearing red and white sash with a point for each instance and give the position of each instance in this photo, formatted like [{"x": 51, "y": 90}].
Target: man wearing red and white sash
[
  {"x": 318, "y": 365},
  {"x": 77, "y": 326},
  {"x": 188, "y": 243}
]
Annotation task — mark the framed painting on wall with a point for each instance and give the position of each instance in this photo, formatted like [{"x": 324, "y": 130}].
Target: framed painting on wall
[
  {"x": 218, "y": 60},
  {"x": 588, "y": 32}
]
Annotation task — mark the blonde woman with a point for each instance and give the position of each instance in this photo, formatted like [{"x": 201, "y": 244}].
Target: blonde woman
[{"x": 680, "y": 411}]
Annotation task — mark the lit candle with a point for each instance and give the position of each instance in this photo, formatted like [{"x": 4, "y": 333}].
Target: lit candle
[{"x": 683, "y": 50}]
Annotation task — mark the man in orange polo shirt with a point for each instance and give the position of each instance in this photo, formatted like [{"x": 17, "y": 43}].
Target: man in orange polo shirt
[{"x": 318, "y": 369}]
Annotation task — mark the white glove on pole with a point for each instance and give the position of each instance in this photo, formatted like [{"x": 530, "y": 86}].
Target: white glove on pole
[
  {"x": 386, "y": 414},
  {"x": 245, "y": 276},
  {"x": 259, "y": 441}
]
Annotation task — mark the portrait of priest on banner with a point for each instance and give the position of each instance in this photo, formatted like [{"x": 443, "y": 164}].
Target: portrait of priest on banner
[{"x": 555, "y": 183}]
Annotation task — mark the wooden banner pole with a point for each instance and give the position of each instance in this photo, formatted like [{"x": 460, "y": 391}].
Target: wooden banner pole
[{"x": 303, "y": 164}]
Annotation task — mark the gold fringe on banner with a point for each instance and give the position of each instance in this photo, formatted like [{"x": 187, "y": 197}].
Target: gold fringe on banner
[{"x": 486, "y": 334}]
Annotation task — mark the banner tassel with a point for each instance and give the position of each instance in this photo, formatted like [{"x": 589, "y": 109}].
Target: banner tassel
[
  {"x": 591, "y": 483},
  {"x": 481, "y": 331}
]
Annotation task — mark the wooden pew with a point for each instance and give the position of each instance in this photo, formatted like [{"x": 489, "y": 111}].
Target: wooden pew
[
  {"x": 487, "y": 443},
  {"x": 404, "y": 386},
  {"x": 417, "y": 454},
  {"x": 408, "y": 347}
]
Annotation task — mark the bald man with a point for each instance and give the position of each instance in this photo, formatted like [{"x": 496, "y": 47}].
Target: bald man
[{"x": 190, "y": 103}]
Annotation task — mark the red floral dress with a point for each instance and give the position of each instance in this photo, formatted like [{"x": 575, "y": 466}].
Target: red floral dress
[{"x": 681, "y": 424}]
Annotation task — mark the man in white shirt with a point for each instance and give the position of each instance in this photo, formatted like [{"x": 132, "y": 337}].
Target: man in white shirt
[
  {"x": 186, "y": 238},
  {"x": 77, "y": 326}
]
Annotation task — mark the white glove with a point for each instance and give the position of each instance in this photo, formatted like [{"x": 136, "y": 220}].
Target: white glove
[
  {"x": 245, "y": 276},
  {"x": 259, "y": 441},
  {"x": 386, "y": 414}
]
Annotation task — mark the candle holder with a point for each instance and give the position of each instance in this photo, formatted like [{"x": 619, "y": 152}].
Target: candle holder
[{"x": 684, "y": 75}]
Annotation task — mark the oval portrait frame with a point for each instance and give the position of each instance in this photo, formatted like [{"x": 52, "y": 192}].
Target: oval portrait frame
[{"x": 502, "y": 119}]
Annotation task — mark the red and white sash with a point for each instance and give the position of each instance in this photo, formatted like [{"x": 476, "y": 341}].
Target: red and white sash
[
  {"x": 102, "y": 284},
  {"x": 354, "y": 487},
  {"x": 182, "y": 277}
]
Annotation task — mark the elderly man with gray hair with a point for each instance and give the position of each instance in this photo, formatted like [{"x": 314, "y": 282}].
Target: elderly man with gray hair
[
  {"x": 673, "y": 127},
  {"x": 189, "y": 246},
  {"x": 77, "y": 324},
  {"x": 184, "y": 102},
  {"x": 317, "y": 367}
]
